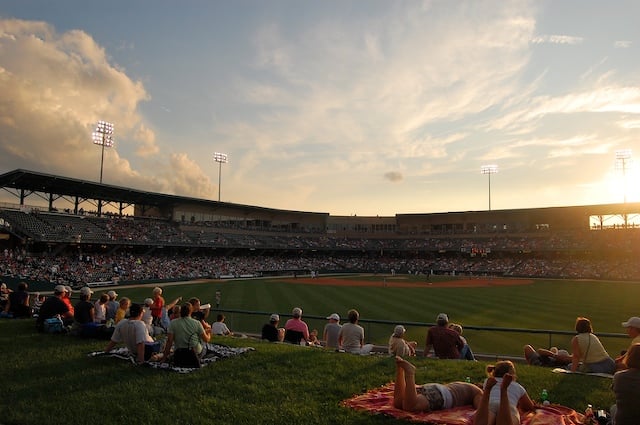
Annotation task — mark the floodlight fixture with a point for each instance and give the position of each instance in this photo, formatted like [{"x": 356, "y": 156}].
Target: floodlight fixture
[
  {"x": 489, "y": 169},
  {"x": 623, "y": 157},
  {"x": 220, "y": 158},
  {"x": 103, "y": 136}
]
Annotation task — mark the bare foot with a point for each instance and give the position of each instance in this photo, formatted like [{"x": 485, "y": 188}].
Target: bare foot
[
  {"x": 491, "y": 381},
  {"x": 506, "y": 380},
  {"x": 408, "y": 367}
]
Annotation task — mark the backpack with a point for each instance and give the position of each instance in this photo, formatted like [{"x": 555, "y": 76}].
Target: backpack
[
  {"x": 186, "y": 357},
  {"x": 53, "y": 325}
]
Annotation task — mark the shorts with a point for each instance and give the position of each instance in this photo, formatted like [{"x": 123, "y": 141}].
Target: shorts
[{"x": 438, "y": 396}]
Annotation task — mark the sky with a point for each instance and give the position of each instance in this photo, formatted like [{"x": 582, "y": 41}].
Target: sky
[{"x": 348, "y": 107}]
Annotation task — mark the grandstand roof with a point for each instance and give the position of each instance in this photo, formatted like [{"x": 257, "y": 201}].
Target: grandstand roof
[{"x": 31, "y": 181}]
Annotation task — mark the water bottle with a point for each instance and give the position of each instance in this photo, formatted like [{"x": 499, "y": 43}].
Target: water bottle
[{"x": 544, "y": 396}]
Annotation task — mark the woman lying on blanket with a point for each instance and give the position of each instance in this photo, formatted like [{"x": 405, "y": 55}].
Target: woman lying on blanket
[
  {"x": 429, "y": 397},
  {"x": 501, "y": 404}
]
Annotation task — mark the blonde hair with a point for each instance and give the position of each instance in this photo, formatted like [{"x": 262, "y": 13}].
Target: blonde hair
[
  {"x": 157, "y": 290},
  {"x": 456, "y": 327},
  {"x": 501, "y": 368}
]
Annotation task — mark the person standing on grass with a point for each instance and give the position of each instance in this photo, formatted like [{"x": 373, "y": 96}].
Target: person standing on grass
[
  {"x": 157, "y": 306},
  {"x": 351, "y": 336}
]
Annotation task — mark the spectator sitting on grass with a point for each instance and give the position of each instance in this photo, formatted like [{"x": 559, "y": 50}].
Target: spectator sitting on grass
[
  {"x": 270, "y": 331},
  {"x": 186, "y": 333},
  {"x": 626, "y": 411},
  {"x": 553, "y": 357},
  {"x": 101, "y": 309},
  {"x": 199, "y": 312},
  {"x": 54, "y": 306},
  {"x": 84, "y": 311},
  {"x": 466, "y": 353},
  {"x": 66, "y": 297},
  {"x": 351, "y": 337},
  {"x": 123, "y": 305},
  {"x": 589, "y": 355},
  {"x": 332, "y": 331},
  {"x": 112, "y": 305},
  {"x": 632, "y": 327},
  {"x": 219, "y": 327},
  {"x": 19, "y": 304},
  {"x": 133, "y": 333},
  {"x": 446, "y": 343},
  {"x": 296, "y": 329},
  {"x": 398, "y": 346}
]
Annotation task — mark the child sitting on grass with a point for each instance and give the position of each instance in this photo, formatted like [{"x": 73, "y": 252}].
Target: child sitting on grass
[{"x": 500, "y": 403}]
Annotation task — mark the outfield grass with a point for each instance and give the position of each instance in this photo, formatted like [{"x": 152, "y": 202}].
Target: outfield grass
[
  {"x": 48, "y": 379},
  {"x": 545, "y": 304}
]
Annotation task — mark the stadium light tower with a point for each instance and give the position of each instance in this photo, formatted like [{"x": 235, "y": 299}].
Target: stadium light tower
[
  {"x": 489, "y": 169},
  {"x": 220, "y": 158},
  {"x": 623, "y": 156},
  {"x": 103, "y": 136}
]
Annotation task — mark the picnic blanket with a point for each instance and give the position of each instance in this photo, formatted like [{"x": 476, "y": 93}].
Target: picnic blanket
[
  {"x": 602, "y": 375},
  {"x": 380, "y": 401},
  {"x": 215, "y": 352}
]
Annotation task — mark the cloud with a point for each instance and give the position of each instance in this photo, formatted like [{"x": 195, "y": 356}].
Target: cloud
[
  {"x": 622, "y": 44},
  {"x": 556, "y": 39},
  {"x": 393, "y": 176},
  {"x": 55, "y": 87}
]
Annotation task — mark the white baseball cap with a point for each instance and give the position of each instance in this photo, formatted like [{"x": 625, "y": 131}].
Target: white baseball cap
[
  {"x": 333, "y": 316},
  {"x": 633, "y": 322}
]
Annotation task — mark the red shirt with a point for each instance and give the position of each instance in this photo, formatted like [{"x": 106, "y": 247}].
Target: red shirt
[{"x": 446, "y": 342}]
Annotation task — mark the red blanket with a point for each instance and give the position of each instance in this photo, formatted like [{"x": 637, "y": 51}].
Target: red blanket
[{"x": 380, "y": 400}]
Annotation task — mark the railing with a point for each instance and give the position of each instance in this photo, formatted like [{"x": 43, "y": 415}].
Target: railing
[{"x": 487, "y": 342}]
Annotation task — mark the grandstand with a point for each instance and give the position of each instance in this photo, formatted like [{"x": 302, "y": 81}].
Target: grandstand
[{"x": 89, "y": 232}]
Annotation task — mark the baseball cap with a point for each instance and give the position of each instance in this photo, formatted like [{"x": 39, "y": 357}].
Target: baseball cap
[
  {"x": 112, "y": 294},
  {"x": 148, "y": 301},
  {"x": 398, "y": 330},
  {"x": 59, "y": 289},
  {"x": 85, "y": 290},
  {"x": 633, "y": 322},
  {"x": 333, "y": 316},
  {"x": 442, "y": 317},
  {"x": 274, "y": 317}
]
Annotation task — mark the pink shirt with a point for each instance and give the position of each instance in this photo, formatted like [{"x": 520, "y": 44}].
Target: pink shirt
[{"x": 298, "y": 325}]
